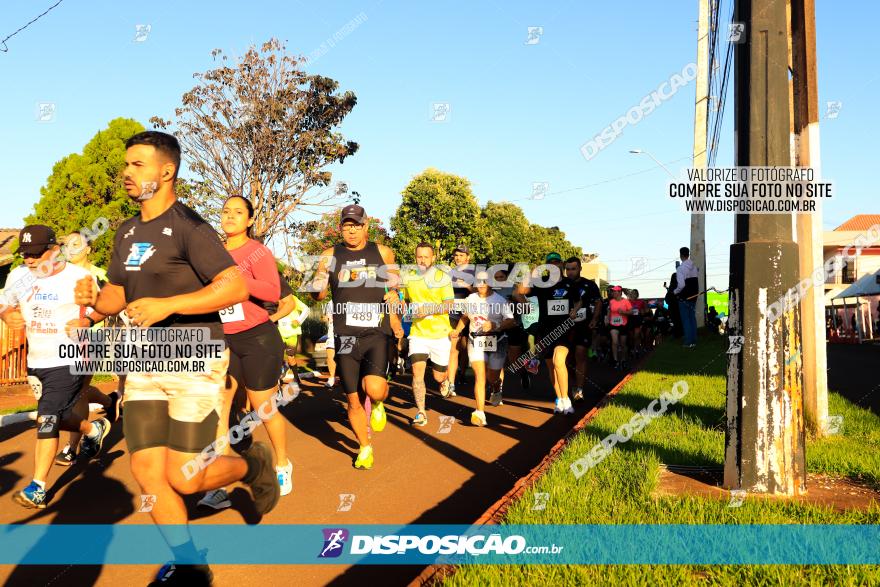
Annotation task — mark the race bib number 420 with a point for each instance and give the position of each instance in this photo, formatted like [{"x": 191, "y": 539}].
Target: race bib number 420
[
  {"x": 232, "y": 313},
  {"x": 557, "y": 307}
]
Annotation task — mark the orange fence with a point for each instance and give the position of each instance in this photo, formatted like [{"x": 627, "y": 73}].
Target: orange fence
[{"x": 13, "y": 350}]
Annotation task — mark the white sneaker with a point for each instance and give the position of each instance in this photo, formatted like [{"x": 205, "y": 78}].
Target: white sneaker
[
  {"x": 567, "y": 408},
  {"x": 217, "y": 499},
  {"x": 285, "y": 477},
  {"x": 331, "y": 381},
  {"x": 495, "y": 399},
  {"x": 447, "y": 389},
  {"x": 478, "y": 418},
  {"x": 557, "y": 409}
]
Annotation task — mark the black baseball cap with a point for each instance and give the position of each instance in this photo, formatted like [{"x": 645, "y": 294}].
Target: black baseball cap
[
  {"x": 553, "y": 257},
  {"x": 462, "y": 248},
  {"x": 34, "y": 239},
  {"x": 354, "y": 213}
]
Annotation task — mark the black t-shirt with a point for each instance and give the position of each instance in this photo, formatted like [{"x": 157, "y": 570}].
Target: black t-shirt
[
  {"x": 286, "y": 290},
  {"x": 466, "y": 274},
  {"x": 175, "y": 253},
  {"x": 588, "y": 293},
  {"x": 554, "y": 303}
]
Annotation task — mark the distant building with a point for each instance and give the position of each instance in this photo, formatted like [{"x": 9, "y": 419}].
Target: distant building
[
  {"x": 592, "y": 268},
  {"x": 7, "y": 238}
]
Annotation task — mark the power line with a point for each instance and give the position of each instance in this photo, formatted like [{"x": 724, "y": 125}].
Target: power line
[{"x": 5, "y": 49}]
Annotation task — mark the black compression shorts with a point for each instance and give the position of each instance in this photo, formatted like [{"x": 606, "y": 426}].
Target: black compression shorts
[
  {"x": 357, "y": 357},
  {"x": 256, "y": 356}
]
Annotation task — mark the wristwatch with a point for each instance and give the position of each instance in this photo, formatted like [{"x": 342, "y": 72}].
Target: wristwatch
[{"x": 91, "y": 321}]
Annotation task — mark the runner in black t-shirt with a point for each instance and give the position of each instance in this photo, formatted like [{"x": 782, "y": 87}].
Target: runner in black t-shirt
[
  {"x": 558, "y": 303},
  {"x": 585, "y": 321},
  {"x": 462, "y": 287},
  {"x": 170, "y": 270}
]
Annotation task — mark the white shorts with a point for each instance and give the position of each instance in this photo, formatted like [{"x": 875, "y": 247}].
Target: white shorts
[
  {"x": 437, "y": 349},
  {"x": 494, "y": 359}
]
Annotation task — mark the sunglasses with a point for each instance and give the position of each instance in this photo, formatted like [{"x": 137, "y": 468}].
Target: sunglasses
[{"x": 32, "y": 255}]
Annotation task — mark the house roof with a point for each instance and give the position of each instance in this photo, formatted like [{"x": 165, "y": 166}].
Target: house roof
[
  {"x": 7, "y": 237},
  {"x": 859, "y": 222}
]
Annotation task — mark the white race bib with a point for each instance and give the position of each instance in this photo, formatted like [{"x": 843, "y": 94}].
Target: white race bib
[
  {"x": 557, "y": 307},
  {"x": 617, "y": 321},
  {"x": 488, "y": 344},
  {"x": 363, "y": 319},
  {"x": 581, "y": 315},
  {"x": 232, "y": 313}
]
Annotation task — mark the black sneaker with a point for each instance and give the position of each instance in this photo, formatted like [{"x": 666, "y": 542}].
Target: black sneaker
[
  {"x": 66, "y": 457},
  {"x": 261, "y": 477},
  {"x": 174, "y": 574},
  {"x": 112, "y": 411},
  {"x": 525, "y": 380},
  {"x": 88, "y": 447}
]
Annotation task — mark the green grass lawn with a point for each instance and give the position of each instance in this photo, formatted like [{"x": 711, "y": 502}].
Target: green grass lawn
[
  {"x": 28, "y": 408},
  {"x": 619, "y": 489}
]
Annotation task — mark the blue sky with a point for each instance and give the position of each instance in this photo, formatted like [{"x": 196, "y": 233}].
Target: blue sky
[{"x": 519, "y": 112}]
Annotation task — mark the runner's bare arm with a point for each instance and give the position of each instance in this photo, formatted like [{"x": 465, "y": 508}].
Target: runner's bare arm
[
  {"x": 322, "y": 276},
  {"x": 13, "y": 318},
  {"x": 226, "y": 289},
  {"x": 286, "y": 305},
  {"x": 110, "y": 300}
]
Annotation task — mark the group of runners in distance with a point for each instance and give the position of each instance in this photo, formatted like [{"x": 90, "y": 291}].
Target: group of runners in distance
[{"x": 170, "y": 269}]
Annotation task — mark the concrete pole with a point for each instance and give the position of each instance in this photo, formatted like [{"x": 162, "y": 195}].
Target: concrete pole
[
  {"x": 701, "y": 107},
  {"x": 765, "y": 427}
]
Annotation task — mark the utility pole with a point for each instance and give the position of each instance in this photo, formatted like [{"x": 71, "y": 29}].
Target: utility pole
[
  {"x": 701, "y": 108},
  {"x": 765, "y": 428},
  {"x": 805, "y": 132}
]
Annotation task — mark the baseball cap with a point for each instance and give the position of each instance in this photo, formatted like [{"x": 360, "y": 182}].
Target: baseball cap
[
  {"x": 616, "y": 288},
  {"x": 553, "y": 257},
  {"x": 354, "y": 213},
  {"x": 462, "y": 248},
  {"x": 34, "y": 239}
]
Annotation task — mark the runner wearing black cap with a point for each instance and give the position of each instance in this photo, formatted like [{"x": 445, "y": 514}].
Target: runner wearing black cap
[
  {"x": 169, "y": 269},
  {"x": 462, "y": 287},
  {"x": 361, "y": 275},
  {"x": 39, "y": 298},
  {"x": 585, "y": 321}
]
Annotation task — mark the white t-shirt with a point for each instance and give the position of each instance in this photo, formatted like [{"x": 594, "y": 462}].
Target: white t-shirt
[
  {"x": 495, "y": 308},
  {"x": 47, "y": 304}
]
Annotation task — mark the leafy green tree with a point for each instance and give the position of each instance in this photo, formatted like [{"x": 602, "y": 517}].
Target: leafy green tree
[
  {"x": 508, "y": 232},
  {"x": 85, "y": 187},
  {"x": 552, "y": 239},
  {"x": 439, "y": 208}
]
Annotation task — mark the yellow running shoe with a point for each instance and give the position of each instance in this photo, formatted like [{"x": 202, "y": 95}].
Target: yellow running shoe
[
  {"x": 364, "y": 459},
  {"x": 378, "y": 418}
]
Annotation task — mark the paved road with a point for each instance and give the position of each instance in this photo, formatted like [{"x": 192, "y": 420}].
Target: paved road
[{"x": 420, "y": 476}]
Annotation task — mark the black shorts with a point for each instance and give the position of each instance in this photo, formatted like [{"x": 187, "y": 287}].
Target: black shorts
[
  {"x": 517, "y": 337},
  {"x": 548, "y": 346},
  {"x": 60, "y": 392},
  {"x": 357, "y": 357},
  {"x": 256, "y": 356},
  {"x": 582, "y": 336}
]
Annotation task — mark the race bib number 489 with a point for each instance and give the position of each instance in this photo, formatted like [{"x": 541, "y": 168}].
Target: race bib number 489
[
  {"x": 557, "y": 307},
  {"x": 364, "y": 319}
]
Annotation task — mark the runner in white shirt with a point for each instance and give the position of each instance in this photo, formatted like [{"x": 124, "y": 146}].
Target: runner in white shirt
[
  {"x": 39, "y": 298},
  {"x": 489, "y": 315}
]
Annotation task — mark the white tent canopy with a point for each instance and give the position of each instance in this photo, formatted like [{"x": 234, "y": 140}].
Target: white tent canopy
[{"x": 868, "y": 285}]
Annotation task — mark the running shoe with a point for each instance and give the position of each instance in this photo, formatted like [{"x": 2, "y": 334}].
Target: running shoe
[
  {"x": 364, "y": 460},
  {"x": 331, "y": 381},
  {"x": 66, "y": 457},
  {"x": 420, "y": 420},
  {"x": 112, "y": 411},
  {"x": 90, "y": 447},
  {"x": 558, "y": 407},
  {"x": 378, "y": 418},
  {"x": 478, "y": 418},
  {"x": 285, "y": 478},
  {"x": 447, "y": 389},
  {"x": 261, "y": 477},
  {"x": 524, "y": 379},
  {"x": 591, "y": 354},
  {"x": 174, "y": 574},
  {"x": 533, "y": 366},
  {"x": 217, "y": 499},
  {"x": 579, "y": 395},
  {"x": 32, "y": 496},
  {"x": 567, "y": 408},
  {"x": 495, "y": 399}
]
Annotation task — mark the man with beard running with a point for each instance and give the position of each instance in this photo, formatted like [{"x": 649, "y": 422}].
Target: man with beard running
[{"x": 585, "y": 321}]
